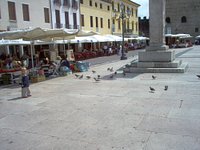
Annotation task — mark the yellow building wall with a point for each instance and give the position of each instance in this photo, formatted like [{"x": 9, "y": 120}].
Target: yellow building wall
[
  {"x": 132, "y": 20},
  {"x": 87, "y": 11},
  {"x": 94, "y": 11}
]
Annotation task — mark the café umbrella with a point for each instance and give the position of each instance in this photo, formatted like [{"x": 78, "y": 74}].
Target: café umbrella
[{"x": 38, "y": 34}]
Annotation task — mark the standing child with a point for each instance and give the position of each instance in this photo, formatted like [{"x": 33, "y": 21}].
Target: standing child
[{"x": 25, "y": 84}]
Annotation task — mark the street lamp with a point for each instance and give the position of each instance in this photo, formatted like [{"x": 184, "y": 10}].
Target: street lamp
[{"x": 123, "y": 15}]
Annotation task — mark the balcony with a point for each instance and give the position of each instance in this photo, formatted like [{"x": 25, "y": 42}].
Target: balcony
[
  {"x": 129, "y": 31},
  {"x": 107, "y": 1},
  {"x": 58, "y": 25}
]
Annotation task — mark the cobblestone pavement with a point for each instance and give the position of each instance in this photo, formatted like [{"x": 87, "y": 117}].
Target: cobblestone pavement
[{"x": 118, "y": 112}]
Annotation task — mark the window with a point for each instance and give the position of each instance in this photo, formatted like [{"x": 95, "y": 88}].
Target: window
[
  {"x": 108, "y": 23},
  {"x": 46, "y": 15},
  {"x": 25, "y": 11},
  {"x": 82, "y": 20},
  {"x": 74, "y": 4},
  {"x": 81, "y": 1},
  {"x": 113, "y": 21},
  {"x": 67, "y": 20},
  {"x": 0, "y": 12},
  {"x": 91, "y": 21},
  {"x": 96, "y": 4},
  {"x": 133, "y": 25},
  {"x": 119, "y": 24},
  {"x": 168, "y": 20},
  {"x": 136, "y": 26},
  {"x": 90, "y": 2},
  {"x": 101, "y": 6},
  {"x": 183, "y": 19},
  {"x": 113, "y": 5},
  {"x": 97, "y": 22},
  {"x": 118, "y": 7},
  {"x": 136, "y": 13},
  {"x": 132, "y": 11},
  {"x": 101, "y": 22},
  {"x": 196, "y": 29},
  {"x": 75, "y": 21},
  {"x": 66, "y": 3},
  {"x": 108, "y": 8},
  {"x": 12, "y": 11},
  {"x": 57, "y": 14}
]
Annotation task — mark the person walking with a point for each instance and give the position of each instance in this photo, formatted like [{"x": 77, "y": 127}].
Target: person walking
[{"x": 25, "y": 83}]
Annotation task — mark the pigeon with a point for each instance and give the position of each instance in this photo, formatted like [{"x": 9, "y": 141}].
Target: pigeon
[
  {"x": 111, "y": 69},
  {"x": 115, "y": 73},
  {"x": 153, "y": 77},
  {"x": 98, "y": 76},
  {"x": 108, "y": 69},
  {"x": 152, "y": 89},
  {"x": 198, "y": 76},
  {"x": 166, "y": 87},
  {"x": 93, "y": 71},
  {"x": 76, "y": 75},
  {"x": 81, "y": 76},
  {"x": 88, "y": 77},
  {"x": 97, "y": 80}
]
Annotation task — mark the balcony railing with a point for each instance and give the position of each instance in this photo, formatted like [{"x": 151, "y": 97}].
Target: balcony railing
[
  {"x": 107, "y": 1},
  {"x": 129, "y": 31},
  {"x": 58, "y": 25}
]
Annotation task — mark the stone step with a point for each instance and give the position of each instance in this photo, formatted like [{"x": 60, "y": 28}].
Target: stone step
[{"x": 181, "y": 69}]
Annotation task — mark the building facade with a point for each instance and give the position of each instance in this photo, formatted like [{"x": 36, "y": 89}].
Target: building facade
[
  {"x": 131, "y": 23},
  {"x": 65, "y": 14},
  {"x": 20, "y": 14},
  {"x": 182, "y": 16},
  {"x": 144, "y": 27},
  {"x": 103, "y": 16}
]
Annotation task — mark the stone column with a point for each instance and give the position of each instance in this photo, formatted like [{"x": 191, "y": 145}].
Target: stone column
[
  {"x": 157, "y": 50},
  {"x": 157, "y": 25},
  {"x": 157, "y": 57}
]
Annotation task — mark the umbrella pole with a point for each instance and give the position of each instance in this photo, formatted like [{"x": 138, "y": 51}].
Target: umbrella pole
[
  {"x": 64, "y": 47},
  {"x": 32, "y": 54}
]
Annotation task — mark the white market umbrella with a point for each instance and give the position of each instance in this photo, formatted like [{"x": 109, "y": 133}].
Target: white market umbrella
[
  {"x": 113, "y": 37},
  {"x": 38, "y": 34}
]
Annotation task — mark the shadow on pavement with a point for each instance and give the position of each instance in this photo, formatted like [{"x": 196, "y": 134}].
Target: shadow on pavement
[{"x": 14, "y": 99}]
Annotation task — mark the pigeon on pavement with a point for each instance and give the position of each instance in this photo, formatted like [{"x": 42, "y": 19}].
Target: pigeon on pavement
[
  {"x": 76, "y": 75},
  {"x": 97, "y": 80},
  {"x": 111, "y": 69},
  {"x": 81, "y": 76},
  {"x": 152, "y": 89},
  {"x": 93, "y": 71},
  {"x": 153, "y": 77},
  {"x": 88, "y": 77},
  {"x": 166, "y": 87},
  {"x": 198, "y": 76}
]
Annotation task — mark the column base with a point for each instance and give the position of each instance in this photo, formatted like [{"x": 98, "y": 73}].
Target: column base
[
  {"x": 157, "y": 62},
  {"x": 156, "y": 67},
  {"x": 156, "y": 56}
]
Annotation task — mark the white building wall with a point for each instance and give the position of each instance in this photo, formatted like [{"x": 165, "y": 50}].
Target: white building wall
[{"x": 36, "y": 13}]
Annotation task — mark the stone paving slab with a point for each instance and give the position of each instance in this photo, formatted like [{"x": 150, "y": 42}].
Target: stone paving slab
[{"x": 115, "y": 113}]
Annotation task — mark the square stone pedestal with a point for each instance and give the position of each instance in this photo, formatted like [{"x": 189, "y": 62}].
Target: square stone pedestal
[{"x": 157, "y": 62}]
